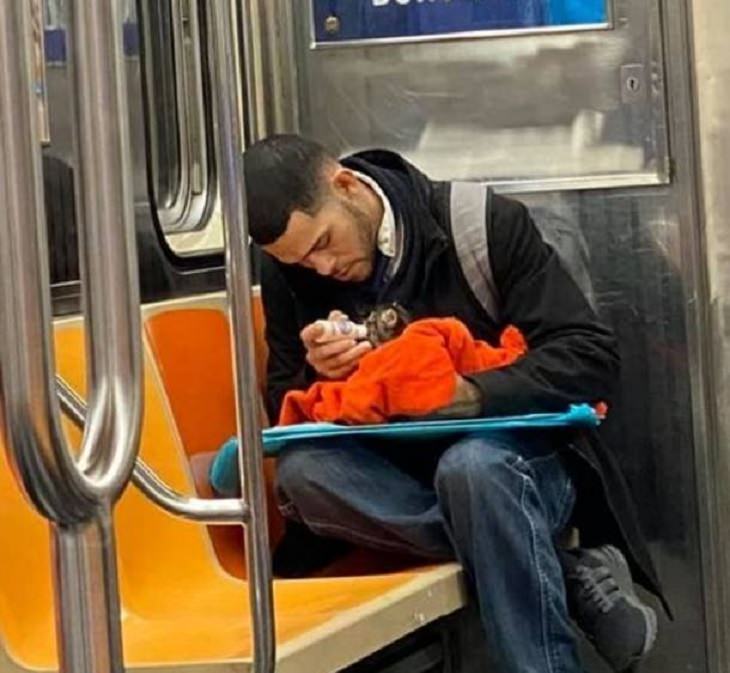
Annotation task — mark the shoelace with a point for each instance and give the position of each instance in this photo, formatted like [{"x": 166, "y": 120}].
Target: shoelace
[{"x": 597, "y": 587}]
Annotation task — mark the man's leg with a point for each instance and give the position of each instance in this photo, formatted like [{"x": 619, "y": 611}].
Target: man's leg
[
  {"x": 502, "y": 510},
  {"x": 504, "y": 499},
  {"x": 342, "y": 489}
]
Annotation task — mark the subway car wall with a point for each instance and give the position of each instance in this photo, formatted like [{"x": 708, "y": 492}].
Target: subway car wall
[
  {"x": 163, "y": 273},
  {"x": 593, "y": 128}
]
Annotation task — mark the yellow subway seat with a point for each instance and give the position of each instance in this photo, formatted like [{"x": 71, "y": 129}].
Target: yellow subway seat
[{"x": 179, "y": 605}]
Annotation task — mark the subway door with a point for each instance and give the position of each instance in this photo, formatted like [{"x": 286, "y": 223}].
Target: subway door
[{"x": 582, "y": 110}]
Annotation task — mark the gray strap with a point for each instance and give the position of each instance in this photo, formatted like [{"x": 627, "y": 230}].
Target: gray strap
[
  {"x": 470, "y": 208},
  {"x": 469, "y": 212}
]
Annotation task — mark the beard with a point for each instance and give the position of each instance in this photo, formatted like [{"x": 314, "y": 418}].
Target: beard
[{"x": 366, "y": 232}]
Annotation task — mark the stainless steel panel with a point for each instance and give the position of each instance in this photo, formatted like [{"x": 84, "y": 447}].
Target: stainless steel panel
[
  {"x": 56, "y": 11},
  {"x": 544, "y": 111},
  {"x": 537, "y": 113},
  {"x": 62, "y": 126},
  {"x": 532, "y": 19},
  {"x": 639, "y": 272},
  {"x": 709, "y": 24},
  {"x": 63, "y": 148},
  {"x": 543, "y": 97}
]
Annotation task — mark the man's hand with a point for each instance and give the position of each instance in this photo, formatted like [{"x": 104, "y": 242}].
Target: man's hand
[
  {"x": 332, "y": 359},
  {"x": 466, "y": 403}
]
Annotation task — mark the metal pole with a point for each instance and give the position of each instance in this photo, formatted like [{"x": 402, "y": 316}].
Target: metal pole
[
  {"x": 85, "y": 573},
  {"x": 85, "y": 559},
  {"x": 220, "y": 511},
  {"x": 232, "y": 188},
  {"x": 34, "y": 438},
  {"x": 109, "y": 251},
  {"x": 77, "y": 498}
]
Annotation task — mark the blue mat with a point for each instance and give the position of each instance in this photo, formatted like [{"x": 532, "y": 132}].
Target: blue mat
[{"x": 224, "y": 469}]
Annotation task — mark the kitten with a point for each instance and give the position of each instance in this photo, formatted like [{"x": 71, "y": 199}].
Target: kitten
[{"x": 386, "y": 322}]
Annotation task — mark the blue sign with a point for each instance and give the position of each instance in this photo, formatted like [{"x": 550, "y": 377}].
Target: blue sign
[
  {"x": 357, "y": 20},
  {"x": 56, "y": 48}
]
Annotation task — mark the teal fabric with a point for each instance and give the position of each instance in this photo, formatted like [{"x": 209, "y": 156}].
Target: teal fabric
[
  {"x": 276, "y": 438},
  {"x": 224, "y": 469},
  {"x": 223, "y": 473}
]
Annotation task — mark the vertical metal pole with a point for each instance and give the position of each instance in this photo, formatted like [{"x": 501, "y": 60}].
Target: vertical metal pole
[
  {"x": 76, "y": 497},
  {"x": 86, "y": 600},
  {"x": 87, "y": 593},
  {"x": 235, "y": 216}
]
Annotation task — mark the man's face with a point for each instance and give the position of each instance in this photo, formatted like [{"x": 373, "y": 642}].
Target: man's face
[{"x": 339, "y": 239}]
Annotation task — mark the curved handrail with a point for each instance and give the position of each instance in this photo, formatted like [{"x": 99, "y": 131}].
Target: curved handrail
[
  {"x": 109, "y": 253},
  {"x": 200, "y": 510},
  {"x": 229, "y": 146},
  {"x": 63, "y": 489},
  {"x": 31, "y": 427},
  {"x": 77, "y": 495}
]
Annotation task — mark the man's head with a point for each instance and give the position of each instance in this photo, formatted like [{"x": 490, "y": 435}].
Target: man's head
[{"x": 306, "y": 208}]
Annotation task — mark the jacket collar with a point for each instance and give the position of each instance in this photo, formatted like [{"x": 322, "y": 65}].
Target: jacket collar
[{"x": 416, "y": 204}]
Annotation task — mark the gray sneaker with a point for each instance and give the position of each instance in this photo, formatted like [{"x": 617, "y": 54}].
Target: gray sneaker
[{"x": 602, "y": 601}]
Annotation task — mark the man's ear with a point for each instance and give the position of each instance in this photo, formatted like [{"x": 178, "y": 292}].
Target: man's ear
[{"x": 344, "y": 182}]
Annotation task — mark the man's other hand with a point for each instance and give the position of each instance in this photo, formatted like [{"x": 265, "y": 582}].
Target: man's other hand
[
  {"x": 466, "y": 403},
  {"x": 332, "y": 359}
]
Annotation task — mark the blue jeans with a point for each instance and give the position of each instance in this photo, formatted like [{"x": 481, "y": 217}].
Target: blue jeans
[{"x": 496, "y": 503}]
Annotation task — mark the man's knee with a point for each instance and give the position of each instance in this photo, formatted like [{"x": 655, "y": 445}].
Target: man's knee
[
  {"x": 298, "y": 470},
  {"x": 475, "y": 464}
]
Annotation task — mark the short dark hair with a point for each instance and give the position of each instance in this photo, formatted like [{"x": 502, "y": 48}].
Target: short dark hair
[{"x": 283, "y": 174}]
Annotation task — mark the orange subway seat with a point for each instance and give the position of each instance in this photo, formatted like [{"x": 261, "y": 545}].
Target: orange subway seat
[
  {"x": 25, "y": 571},
  {"x": 179, "y": 607},
  {"x": 193, "y": 355},
  {"x": 140, "y": 524},
  {"x": 192, "y": 352}
]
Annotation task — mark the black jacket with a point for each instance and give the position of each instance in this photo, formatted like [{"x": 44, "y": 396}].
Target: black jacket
[{"x": 572, "y": 358}]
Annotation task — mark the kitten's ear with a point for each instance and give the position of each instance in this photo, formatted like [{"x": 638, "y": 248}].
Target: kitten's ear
[{"x": 390, "y": 317}]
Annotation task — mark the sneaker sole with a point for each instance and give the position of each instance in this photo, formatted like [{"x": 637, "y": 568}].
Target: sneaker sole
[{"x": 622, "y": 573}]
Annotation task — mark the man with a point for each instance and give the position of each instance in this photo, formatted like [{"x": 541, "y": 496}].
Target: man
[{"x": 343, "y": 236}]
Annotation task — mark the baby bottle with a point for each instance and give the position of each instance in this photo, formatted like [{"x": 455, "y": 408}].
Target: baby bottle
[{"x": 334, "y": 330}]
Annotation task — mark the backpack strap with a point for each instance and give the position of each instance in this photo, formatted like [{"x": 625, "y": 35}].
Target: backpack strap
[{"x": 470, "y": 204}]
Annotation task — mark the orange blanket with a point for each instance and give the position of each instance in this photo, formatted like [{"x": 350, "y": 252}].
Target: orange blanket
[{"x": 413, "y": 375}]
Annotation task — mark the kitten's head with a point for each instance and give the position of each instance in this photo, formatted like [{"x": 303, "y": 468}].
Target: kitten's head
[{"x": 386, "y": 322}]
